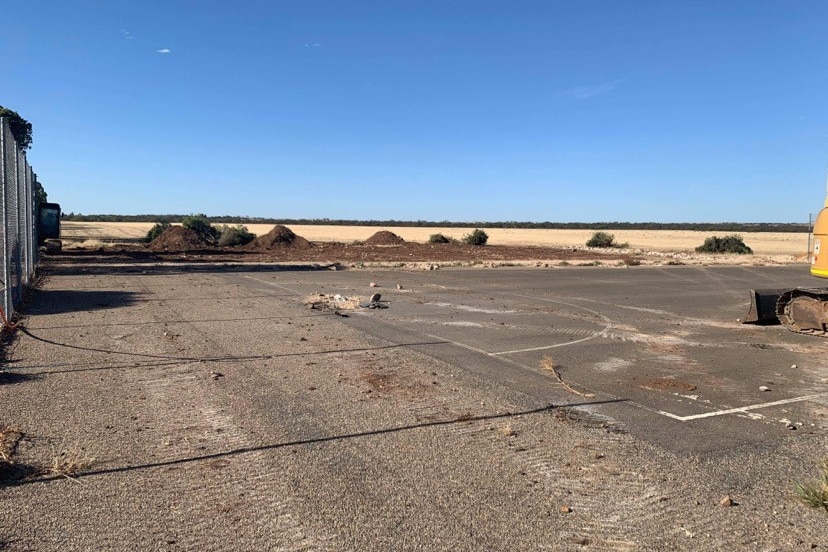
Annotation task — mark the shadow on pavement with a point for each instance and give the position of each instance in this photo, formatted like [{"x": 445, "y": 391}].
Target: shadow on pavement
[
  {"x": 151, "y": 267},
  {"x": 56, "y": 301},
  {"x": 301, "y": 442}
]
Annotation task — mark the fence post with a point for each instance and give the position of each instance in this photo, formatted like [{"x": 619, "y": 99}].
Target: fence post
[{"x": 4, "y": 173}]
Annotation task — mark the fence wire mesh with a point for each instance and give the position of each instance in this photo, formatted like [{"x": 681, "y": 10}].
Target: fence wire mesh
[{"x": 18, "y": 225}]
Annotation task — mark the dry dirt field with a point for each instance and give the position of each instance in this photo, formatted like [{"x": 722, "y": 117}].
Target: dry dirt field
[{"x": 762, "y": 243}]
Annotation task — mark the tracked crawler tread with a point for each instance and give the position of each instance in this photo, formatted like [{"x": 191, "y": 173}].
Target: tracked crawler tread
[{"x": 804, "y": 310}]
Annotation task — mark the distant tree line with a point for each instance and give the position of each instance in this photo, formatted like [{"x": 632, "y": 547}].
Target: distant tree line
[{"x": 698, "y": 226}]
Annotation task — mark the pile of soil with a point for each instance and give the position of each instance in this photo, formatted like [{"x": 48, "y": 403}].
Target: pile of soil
[
  {"x": 384, "y": 237},
  {"x": 178, "y": 238},
  {"x": 279, "y": 237}
]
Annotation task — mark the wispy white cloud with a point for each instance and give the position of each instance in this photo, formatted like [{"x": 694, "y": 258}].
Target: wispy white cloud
[
  {"x": 127, "y": 35},
  {"x": 584, "y": 92},
  {"x": 164, "y": 51},
  {"x": 312, "y": 45}
]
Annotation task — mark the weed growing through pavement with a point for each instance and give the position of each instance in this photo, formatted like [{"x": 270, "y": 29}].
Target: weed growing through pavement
[
  {"x": 815, "y": 493},
  {"x": 70, "y": 460}
]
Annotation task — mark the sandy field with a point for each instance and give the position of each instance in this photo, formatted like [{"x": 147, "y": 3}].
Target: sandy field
[{"x": 762, "y": 243}]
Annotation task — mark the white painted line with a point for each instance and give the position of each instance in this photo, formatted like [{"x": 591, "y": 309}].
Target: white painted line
[
  {"x": 745, "y": 409},
  {"x": 274, "y": 285}
]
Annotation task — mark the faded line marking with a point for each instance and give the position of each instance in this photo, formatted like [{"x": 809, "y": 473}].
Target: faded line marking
[
  {"x": 745, "y": 409},
  {"x": 274, "y": 284}
]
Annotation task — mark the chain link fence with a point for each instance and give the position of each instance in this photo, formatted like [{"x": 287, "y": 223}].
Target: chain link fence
[{"x": 18, "y": 241}]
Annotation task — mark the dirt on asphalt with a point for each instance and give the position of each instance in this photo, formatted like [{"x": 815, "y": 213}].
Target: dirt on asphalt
[{"x": 215, "y": 411}]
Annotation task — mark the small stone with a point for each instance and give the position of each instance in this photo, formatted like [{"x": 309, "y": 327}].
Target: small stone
[
  {"x": 373, "y": 284},
  {"x": 790, "y": 426},
  {"x": 793, "y": 366},
  {"x": 302, "y": 339},
  {"x": 739, "y": 320},
  {"x": 726, "y": 502},
  {"x": 216, "y": 375},
  {"x": 764, "y": 388},
  {"x": 399, "y": 286},
  {"x": 565, "y": 509},
  {"x": 375, "y": 297}
]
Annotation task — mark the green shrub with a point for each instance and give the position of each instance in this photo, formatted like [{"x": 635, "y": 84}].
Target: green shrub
[
  {"x": 601, "y": 239},
  {"x": 200, "y": 224},
  {"x": 815, "y": 494},
  {"x": 478, "y": 237},
  {"x": 728, "y": 244},
  {"x": 234, "y": 235},
  {"x": 157, "y": 230},
  {"x": 439, "y": 238}
]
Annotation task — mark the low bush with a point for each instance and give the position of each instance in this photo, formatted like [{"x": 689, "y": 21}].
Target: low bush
[
  {"x": 478, "y": 237},
  {"x": 728, "y": 244},
  {"x": 157, "y": 230},
  {"x": 601, "y": 239},
  {"x": 439, "y": 238},
  {"x": 200, "y": 224},
  {"x": 232, "y": 236}
]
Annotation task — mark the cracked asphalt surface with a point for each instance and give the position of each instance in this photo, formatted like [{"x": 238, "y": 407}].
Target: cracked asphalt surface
[{"x": 211, "y": 409}]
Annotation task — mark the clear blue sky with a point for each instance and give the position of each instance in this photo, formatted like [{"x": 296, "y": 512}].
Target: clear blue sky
[{"x": 435, "y": 110}]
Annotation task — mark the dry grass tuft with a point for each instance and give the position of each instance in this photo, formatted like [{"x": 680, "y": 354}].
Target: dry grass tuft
[
  {"x": 815, "y": 494},
  {"x": 9, "y": 437},
  {"x": 547, "y": 363},
  {"x": 507, "y": 430},
  {"x": 70, "y": 460}
]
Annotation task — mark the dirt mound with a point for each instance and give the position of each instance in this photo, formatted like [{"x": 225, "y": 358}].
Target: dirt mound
[
  {"x": 279, "y": 237},
  {"x": 384, "y": 237},
  {"x": 177, "y": 238}
]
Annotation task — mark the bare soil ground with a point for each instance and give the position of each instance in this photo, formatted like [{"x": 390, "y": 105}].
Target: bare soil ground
[{"x": 408, "y": 247}]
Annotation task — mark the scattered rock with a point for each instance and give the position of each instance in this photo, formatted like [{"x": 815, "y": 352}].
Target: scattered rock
[
  {"x": 790, "y": 426},
  {"x": 764, "y": 388},
  {"x": 726, "y": 502},
  {"x": 565, "y": 509},
  {"x": 399, "y": 286},
  {"x": 375, "y": 297},
  {"x": 793, "y": 366},
  {"x": 583, "y": 541},
  {"x": 373, "y": 284},
  {"x": 216, "y": 375}
]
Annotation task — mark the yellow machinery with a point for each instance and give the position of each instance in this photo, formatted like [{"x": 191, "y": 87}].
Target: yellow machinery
[{"x": 802, "y": 310}]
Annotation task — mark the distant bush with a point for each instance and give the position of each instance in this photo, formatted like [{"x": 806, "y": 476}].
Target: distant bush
[
  {"x": 605, "y": 239},
  {"x": 728, "y": 244},
  {"x": 157, "y": 230},
  {"x": 232, "y": 236},
  {"x": 200, "y": 224},
  {"x": 439, "y": 238},
  {"x": 478, "y": 237},
  {"x": 601, "y": 239}
]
